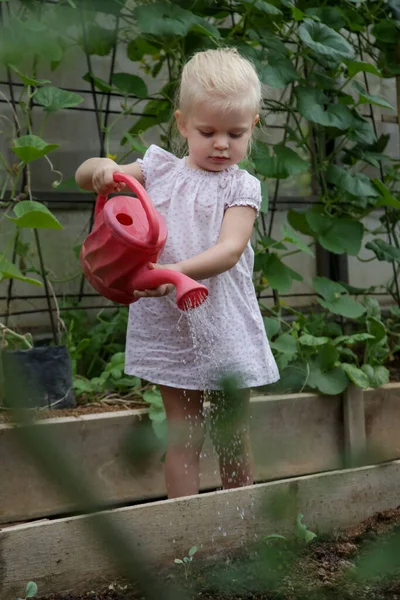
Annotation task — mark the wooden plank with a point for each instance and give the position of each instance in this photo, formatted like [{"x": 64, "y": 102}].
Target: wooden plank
[
  {"x": 382, "y": 419},
  {"x": 292, "y": 435},
  {"x": 64, "y": 554},
  {"x": 354, "y": 425}
]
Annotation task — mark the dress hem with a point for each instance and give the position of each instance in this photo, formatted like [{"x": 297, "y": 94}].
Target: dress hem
[{"x": 158, "y": 381}]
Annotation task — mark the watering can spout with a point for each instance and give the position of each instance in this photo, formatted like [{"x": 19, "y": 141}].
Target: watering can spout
[{"x": 189, "y": 293}]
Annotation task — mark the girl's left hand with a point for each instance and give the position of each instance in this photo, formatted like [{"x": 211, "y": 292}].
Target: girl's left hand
[{"x": 162, "y": 290}]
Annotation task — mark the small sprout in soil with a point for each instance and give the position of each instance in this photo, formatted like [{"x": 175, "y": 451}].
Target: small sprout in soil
[
  {"x": 302, "y": 533},
  {"x": 185, "y": 562},
  {"x": 31, "y": 590}
]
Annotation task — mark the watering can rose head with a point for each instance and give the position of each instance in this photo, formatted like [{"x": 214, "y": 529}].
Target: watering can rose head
[{"x": 120, "y": 255}]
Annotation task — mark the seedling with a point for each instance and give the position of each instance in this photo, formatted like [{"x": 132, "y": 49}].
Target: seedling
[
  {"x": 187, "y": 560},
  {"x": 30, "y": 591}
]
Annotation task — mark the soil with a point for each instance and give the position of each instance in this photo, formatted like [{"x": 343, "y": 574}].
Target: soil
[{"x": 326, "y": 569}]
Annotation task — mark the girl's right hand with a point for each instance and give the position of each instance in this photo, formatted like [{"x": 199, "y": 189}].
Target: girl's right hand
[{"x": 103, "y": 178}]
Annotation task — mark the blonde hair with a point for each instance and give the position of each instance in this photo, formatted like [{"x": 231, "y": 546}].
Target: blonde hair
[{"x": 221, "y": 77}]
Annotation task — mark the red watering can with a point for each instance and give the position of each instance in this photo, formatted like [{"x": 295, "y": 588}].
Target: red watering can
[{"x": 128, "y": 234}]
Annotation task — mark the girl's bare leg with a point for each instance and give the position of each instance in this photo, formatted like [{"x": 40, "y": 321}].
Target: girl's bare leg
[
  {"x": 230, "y": 430},
  {"x": 185, "y": 421}
]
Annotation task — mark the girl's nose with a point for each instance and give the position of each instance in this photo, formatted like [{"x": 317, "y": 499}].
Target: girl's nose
[{"x": 221, "y": 142}]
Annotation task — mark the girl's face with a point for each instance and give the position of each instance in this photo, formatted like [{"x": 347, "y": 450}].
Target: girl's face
[{"x": 217, "y": 139}]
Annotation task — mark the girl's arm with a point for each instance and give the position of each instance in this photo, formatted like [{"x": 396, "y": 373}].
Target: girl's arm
[
  {"x": 234, "y": 236},
  {"x": 97, "y": 174}
]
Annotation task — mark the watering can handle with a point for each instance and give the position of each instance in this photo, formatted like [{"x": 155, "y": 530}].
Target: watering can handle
[
  {"x": 145, "y": 201},
  {"x": 143, "y": 198}
]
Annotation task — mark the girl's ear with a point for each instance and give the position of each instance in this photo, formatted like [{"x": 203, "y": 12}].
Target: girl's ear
[
  {"x": 181, "y": 123},
  {"x": 256, "y": 119}
]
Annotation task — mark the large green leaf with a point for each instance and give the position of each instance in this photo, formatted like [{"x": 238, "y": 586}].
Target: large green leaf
[
  {"x": 361, "y": 130},
  {"x": 285, "y": 343},
  {"x": 272, "y": 326},
  {"x": 328, "y": 289},
  {"x": 336, "y": 235},
  {"x": 386, "y": 198},
  {"x": 262, "y": 6},
  {"x": 330, "y": 15},
  {"x": 282, "y": 164},
  {"x": 278, "y": 275},
  {"x": 377, "y": 329},
  {"x": 139, "y": 47},
  {"x": 331, "y": 382},
  {"x": 384, "y": 251},
  {"x": 297, "y": 220},
  {"x": 312, "y": 340},
  {"x": 31, "y": 147},
  {"x": 367, "y": 98},
  {"x": 356, "y": 184},
  {"x": 315, "y": 106},
  {"x": 356, "y": 375},
  {"x": 344, "y": 306},
  {"x": 164, "y": 19},
  {"x": 377, "y": 375},
  {"x": 350, "y": 340},
  {"x": 355, "y": 67},
  {"x": 98, "y": 40},
  {"x": 35, "y": 215},
  {"x": 10, "y": 271},
  {"x": 53, "y": 98},
  {"x": 279, "y": 72},
  {"x": 325, "y": 42},
  {"x": 290, "y": 236},
  {"x": 130, "y": 84},
  {"x": 98, "y": 83},
  {"x": 27, "y": 79}
]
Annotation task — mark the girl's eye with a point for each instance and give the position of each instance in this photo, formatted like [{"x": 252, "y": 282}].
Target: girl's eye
[
  {"x": 206, "y": 134},
  {"x": 235, "y": 136}
]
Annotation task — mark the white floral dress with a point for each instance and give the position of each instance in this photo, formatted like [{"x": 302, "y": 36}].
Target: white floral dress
[{"x": 226, "y": 336}]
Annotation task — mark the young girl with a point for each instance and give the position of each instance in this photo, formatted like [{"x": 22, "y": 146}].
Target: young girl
[{"x": 209, "y": 205}]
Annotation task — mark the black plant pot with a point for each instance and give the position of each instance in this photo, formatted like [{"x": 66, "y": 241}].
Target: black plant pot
[{"x": 37, "y": 378}]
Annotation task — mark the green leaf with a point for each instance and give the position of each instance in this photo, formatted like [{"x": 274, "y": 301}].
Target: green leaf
[
  {"x": 356, "y": 375},
  {"x": 311, "y": 340},
  {"x": 130, "y": 84},
  {"x": 325, "y": 42},
  {"x": 161, "y": 111},
  {"x": 35, "y": 215},
  {"x": 98, "y": 83},
  {"x": 164, "y": 20},
  {"x": 262, "y": 6},
  {"x": 387, "y": 31},
  {"x": 361, "y": 130},
  {"x": 315, "y": 106},
  {"x": 336, "y": 234},
  {"x": 272, "y": 327},
  {"x": 377, "y": 376},
  {"x": 377, "y": 329},
  {"x": 298, "y": 221},
  {"x": 53, "y": 98},
  {"x": 178, "y": 561},
  {"x": 344, "y": 306},
  {"x": 328, "y": 356},
  {"x": 98, "y": 40},
  {"x": 356, "y": 184},
  {"x": 285, "y": 343},
  {"x": 386, "y": 199},
  {"x": 31, "y": 589},
  {"x": 140, "y": 47},
  {"x": 278, "y": 275},
  {"x": 302, "y": 532},
  {"x": 10, "y": 271},
  {"x": 330, "y": 382},
  {"x": 284, "y": 163},
  {"x": 366, "y": 98},
  {"x": 384, "y": 251},
  {"x": 26, "y": 79},
  {"x": 193, "y": 550},
  {"x": 31, "y": 147},
  {"x": 330, "y": 15},
  {"x": 354, "y": 67},
  {"x": 290, "y": 236},
  {"x": 330, "y": 290},
  {"x": 279, "y": 72},
  {"x": 350, "y": 340}
]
